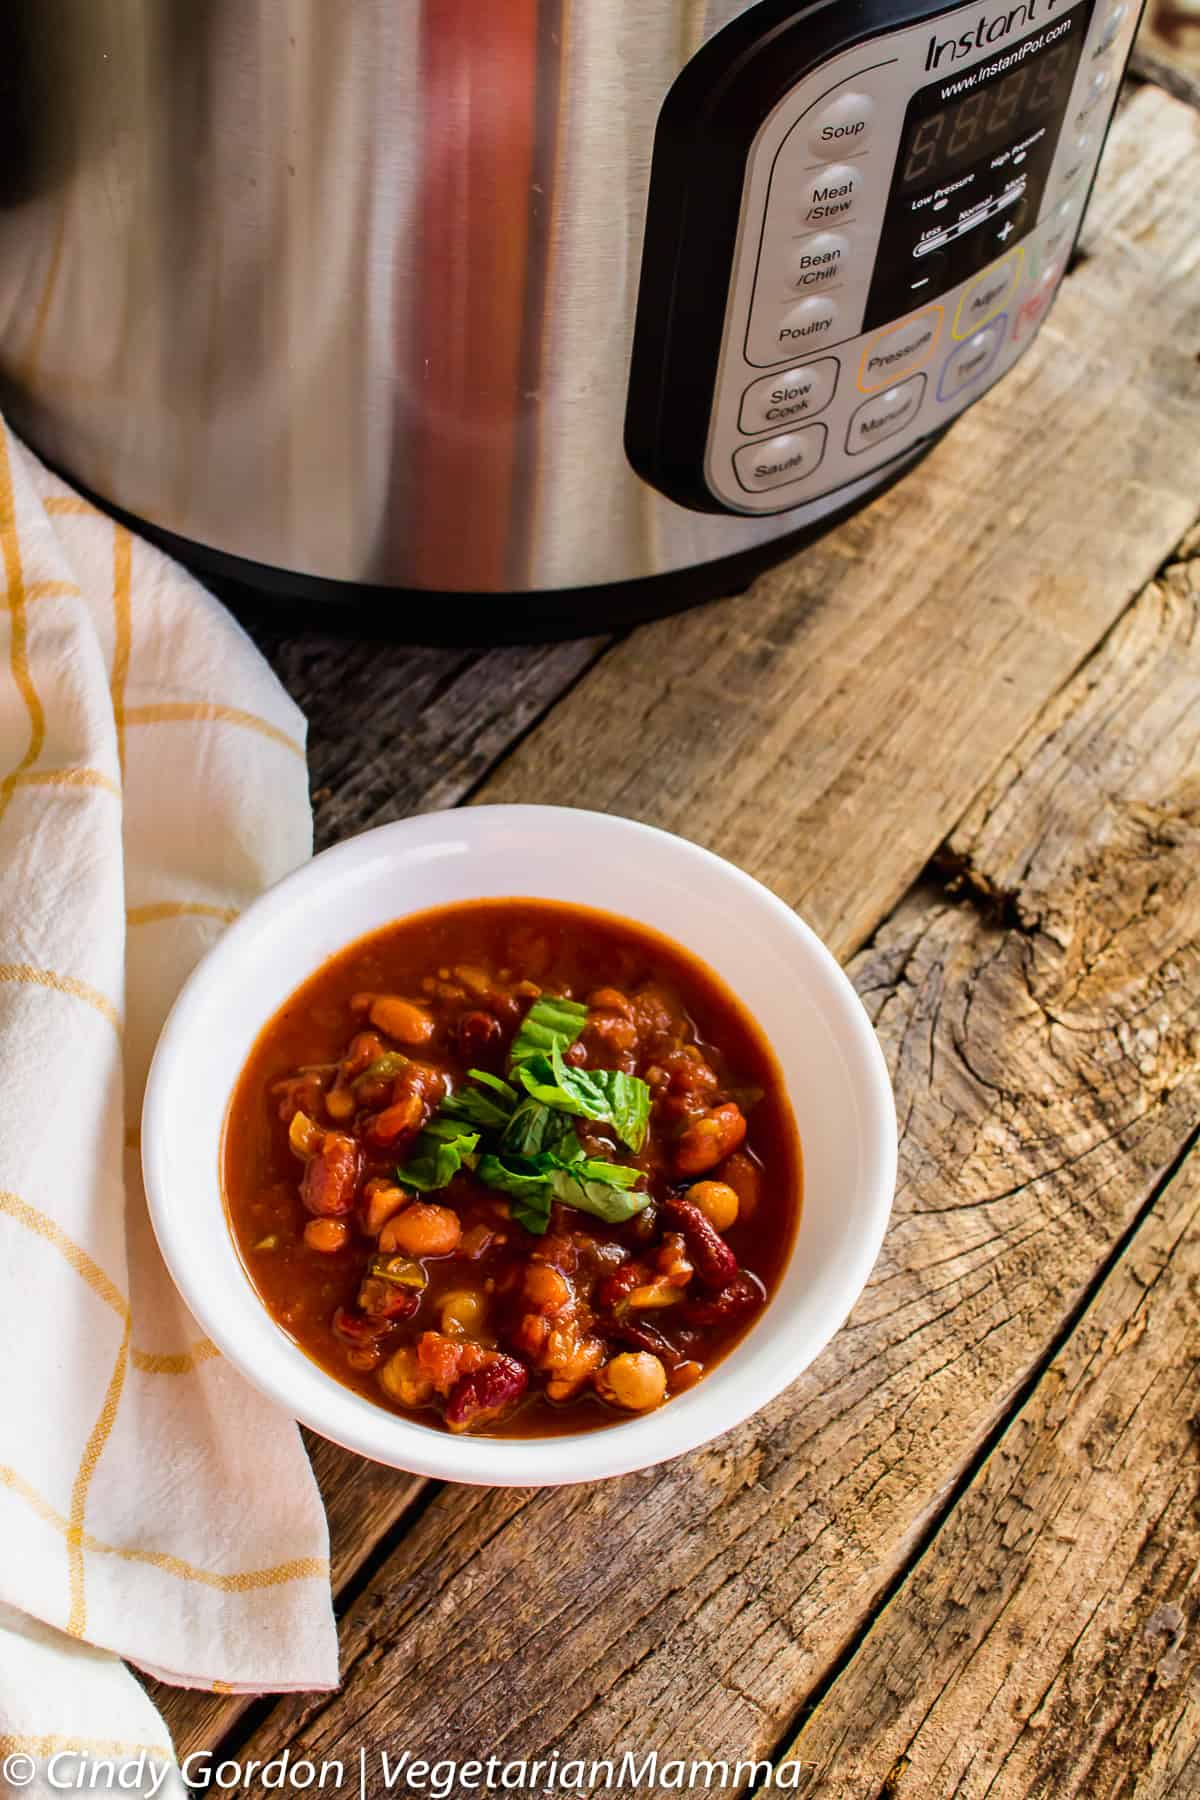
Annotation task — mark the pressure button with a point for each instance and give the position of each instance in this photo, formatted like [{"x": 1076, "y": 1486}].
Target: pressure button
[
  {"x": 842, "y": 127},
  {"x": 900, "y": 350}
]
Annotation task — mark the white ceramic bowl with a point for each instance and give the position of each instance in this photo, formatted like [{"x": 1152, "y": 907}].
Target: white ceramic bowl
[{"x": 789, "y": 982}]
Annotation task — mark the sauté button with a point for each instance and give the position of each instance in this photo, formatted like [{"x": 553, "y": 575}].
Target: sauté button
[
  {"x": 829, "y": 195},
  {"x": 844, "y": 125},
  {"x": 819, "y": 260},
  {"x": 773, "y": 462},
  {"x": 972, "y": 360},
  {"x": 900, "y": 350},
  {"x": 806, "y": 324},
  {"x": 988, "y": 293},
  {"x": 885, "y": 414},
  {"x": 796, "y": 394}
]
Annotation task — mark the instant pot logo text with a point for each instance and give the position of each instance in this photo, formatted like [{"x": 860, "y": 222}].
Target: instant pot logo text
[{"x": 992, "y": 28}]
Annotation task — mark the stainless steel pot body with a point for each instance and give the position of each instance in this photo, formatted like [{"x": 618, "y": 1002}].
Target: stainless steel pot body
[{"x": 347, "y": 289}]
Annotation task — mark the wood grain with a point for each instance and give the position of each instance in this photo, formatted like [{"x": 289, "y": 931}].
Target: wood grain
[
  {"x": 1044, "y": 1038},
  {"x": 1047, "y": 1643},
  {"x": 829, "y": 727}
]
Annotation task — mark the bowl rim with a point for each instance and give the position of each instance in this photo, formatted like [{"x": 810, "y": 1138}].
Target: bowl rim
[{"x": 304, "y": 1390}]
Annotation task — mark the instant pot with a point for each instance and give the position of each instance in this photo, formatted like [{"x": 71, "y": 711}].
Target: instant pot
[{"x": 535, "y": 313}]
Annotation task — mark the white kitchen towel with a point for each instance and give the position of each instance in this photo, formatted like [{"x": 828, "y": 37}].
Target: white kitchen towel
[{"x": 152, "y": 781}]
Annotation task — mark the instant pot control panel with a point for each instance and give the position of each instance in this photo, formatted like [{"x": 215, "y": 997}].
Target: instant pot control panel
[{"x": 847, "y": 245}]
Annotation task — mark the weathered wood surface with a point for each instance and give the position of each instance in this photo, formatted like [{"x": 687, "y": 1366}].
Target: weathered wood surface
[
  {"x": 775, "y": 640},
  {"x": 1046, "y": 1055},
  {"x": 827, "y": 729},
  {"x": 1047, "y": 1642}
]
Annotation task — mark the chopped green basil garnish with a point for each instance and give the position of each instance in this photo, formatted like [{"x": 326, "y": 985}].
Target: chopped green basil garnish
[
  {"x": 589, "y": 1185},
  {"x": 437, "y": 1155},
  {"x": 534, "y": 1128},
  {"x": 548, "y": 1025},
  {"x": 605, "y": 1095}
]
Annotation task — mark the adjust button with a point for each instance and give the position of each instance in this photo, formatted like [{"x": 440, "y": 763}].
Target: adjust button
[
  {"x": 818, "y": 261},
  {"x": 806, "y": 324},
  {"x": 773, "y": 462},
  {"x": 972, "y": 360},
  {"x": 844, "y": 125},
  {"x": 829, "y": 195},
  {"x": 900, "y": 350},
  {"x": 988, "y": 293},
  {"x": 885, "y": 414},
  {"x": 796, "y": 394}
]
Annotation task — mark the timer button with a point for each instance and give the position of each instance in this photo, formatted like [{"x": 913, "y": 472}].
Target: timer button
[
  {"x": 808, "y": 323},
  {"x": 900, "y": 350},
  {"x": 796, "y": 394},
  {"x": 829, "y": 195},
  {"x": 972, "y": 360},
  {"x": 773, "y": 462},
  {"x": 844, "y": 125},
  {"x": 818, "y": 261},
  {"x": 988, "y": 293},
  {"x": 885, "y": 414}
]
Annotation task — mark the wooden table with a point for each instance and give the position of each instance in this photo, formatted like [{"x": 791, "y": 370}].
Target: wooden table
[{"x": 962, "y": 735}]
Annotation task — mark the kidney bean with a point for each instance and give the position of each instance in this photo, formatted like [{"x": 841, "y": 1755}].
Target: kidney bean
[
  {"x": 716, "y": 1265},
  {"x": 478, "y": 1398},
  {"x": 742, "y": 1296},
  {"x": 616, "y": 1288},
  {"x": 709, "y": 1139},
  {"x": 330, "y": 1179},
  {"x": 641, "y": 1336},
  {"x": 478, "y": 1035}
]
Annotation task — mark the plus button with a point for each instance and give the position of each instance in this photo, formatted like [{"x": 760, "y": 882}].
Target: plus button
[{"x": 1005, "y": 232}]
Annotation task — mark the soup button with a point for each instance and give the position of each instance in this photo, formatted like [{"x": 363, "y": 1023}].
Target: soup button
[
  {"x": 797, "y": 394},
  {"x": 773, "y": 462}
]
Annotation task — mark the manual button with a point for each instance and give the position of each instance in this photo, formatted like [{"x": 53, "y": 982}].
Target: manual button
[
  {"x": 796, "y": 394},
  {"x": 773, "y": 462},
  {"x": 885, "y": 414},
  {"x": 900, "y": 350}
]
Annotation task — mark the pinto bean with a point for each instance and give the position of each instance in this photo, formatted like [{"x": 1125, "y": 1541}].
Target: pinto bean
[
  {"x": 402, "y": 1019},
  {"x": 715, "y": 1263},
  {"x": 394, "y": 1122},
  {"x": 710, "y": 1138},
  {"x": 478, "y": 1398},
  {"x": 330, "y": 1179},
  {"x": 423, "y": 1230}
]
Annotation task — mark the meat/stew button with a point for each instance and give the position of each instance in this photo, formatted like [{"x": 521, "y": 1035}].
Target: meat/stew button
[{"x": 773, "y": 462}]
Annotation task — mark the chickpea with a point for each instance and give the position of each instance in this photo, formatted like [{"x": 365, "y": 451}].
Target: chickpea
[
  {"x": 422, "y": 1230},
  {"x": 327, "y": 1235},
  {"x": 717, "y": 1201},
  {"x": 340, "y": 1104},
  {"x": 464, "y": 1313},
  {"x": 634, "y": 1379},
  {"x": 709, "y": 1139},
  {"x": 401, "y": 1019},
  {"x": 402, "y": 1381},
  {"x": 545, "y": 1288}
]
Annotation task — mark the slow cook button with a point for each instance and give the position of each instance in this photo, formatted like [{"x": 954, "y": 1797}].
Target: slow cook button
[
  {"x": 844, "y": 125},
  {"x": 900, "y": 350},
  {"x": 806, "y": 324},
  {"x": 972, "y": 360},
  {"x": 773, "y": 462},
  {"x": 828, "y": 196},
  {"x": 796, "y": 394},
  {"x": 819, "y": 260},
  {"x": 885, "y": 414}
]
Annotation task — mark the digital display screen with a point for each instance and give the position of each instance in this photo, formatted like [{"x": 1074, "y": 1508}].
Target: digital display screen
[{"x": 975, "y": 154}]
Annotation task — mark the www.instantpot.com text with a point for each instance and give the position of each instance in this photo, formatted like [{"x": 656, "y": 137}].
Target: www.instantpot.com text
[{"x": 400, "y": 1773}]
